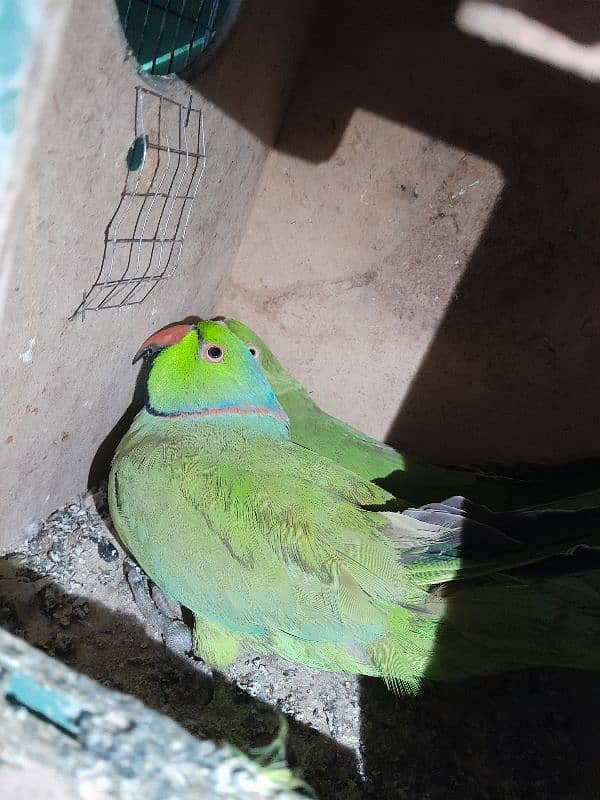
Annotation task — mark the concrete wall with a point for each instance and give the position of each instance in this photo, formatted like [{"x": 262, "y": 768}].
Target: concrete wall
[
  {"x": 423, "y": 251},
  {"x": 66, "y": 383},
  {"x": 424, "y": 248},
  {"x": 19, "y": 29}
]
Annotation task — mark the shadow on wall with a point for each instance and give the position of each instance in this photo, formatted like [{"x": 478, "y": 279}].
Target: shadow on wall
[
  {"x": 511, "y": 372},
  {"x": 237, "y": 79}
]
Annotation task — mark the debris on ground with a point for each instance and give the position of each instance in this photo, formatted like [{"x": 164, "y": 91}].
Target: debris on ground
[
  {"x": 517, "y": 736},
  {"x": 76, "y": 739}
]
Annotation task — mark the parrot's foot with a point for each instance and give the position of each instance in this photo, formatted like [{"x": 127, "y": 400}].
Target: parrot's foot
[
  {"x": 167, "y": 607},
  {"x": 140, "y": 589},
  {"x": 165, "y": 616}
]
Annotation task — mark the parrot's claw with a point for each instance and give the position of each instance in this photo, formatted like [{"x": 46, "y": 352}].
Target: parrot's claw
[
  {"x": 178, "y": 643},
  {"x": 140, "y": 589},
  {"x": 177, "y": 638},
  {"x": 167, "y": 607},
  {"x": 165, "y": 616}
]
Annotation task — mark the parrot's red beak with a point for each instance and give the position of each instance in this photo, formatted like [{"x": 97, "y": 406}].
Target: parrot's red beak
[{"x": 163, "y": 338}]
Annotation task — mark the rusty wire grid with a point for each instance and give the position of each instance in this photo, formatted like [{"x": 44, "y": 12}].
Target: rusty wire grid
[{"x": 144, "y": 238}]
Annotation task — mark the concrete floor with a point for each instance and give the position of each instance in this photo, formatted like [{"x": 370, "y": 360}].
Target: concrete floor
[
  {"x": 423, "y": 252},
  {"x": 528, "y": 734}
]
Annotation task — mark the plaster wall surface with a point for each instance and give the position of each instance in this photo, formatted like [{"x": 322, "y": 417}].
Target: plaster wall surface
[
  {"x": 66, "y": 383},
  {"x": 423, "y": 251}
]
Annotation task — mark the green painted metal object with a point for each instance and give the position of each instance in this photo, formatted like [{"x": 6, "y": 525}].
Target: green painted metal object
[{"x": 168, "y": 36}]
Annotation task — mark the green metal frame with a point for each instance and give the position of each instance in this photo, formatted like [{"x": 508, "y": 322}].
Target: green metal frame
[{"x": 167, "y": 36}]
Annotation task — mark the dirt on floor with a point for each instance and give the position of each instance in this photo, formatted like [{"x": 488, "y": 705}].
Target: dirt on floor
[{"x": 523, "y": 735}]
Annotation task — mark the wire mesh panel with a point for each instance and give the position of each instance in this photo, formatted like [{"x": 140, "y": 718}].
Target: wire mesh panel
[
  {"x": 167, "y": 35},
  {"x": 144, "y": 238}
]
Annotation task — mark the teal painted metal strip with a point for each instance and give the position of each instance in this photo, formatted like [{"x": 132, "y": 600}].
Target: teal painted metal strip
[
  {"x": 54, "y": 706},
  {"x": 19, "y": 24},
  {"x": 166, "y": 35}
]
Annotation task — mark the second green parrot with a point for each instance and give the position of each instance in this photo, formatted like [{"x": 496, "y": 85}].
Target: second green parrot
[{"x": 406, "y": 477}]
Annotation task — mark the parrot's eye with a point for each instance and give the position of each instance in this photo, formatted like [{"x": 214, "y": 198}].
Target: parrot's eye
[
  {"x": 212, "y": 352},
  {"x": 254, "y": 351}
]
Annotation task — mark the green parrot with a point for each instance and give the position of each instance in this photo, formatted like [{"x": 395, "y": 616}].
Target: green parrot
[
  {"x": 275, "y": 548},
  {"x": 498, "y": 486}
]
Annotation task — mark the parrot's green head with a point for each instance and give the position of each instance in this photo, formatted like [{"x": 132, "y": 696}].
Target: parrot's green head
[
  {"x": 276, "y": 375},
  {"x": 204, "y": 369}
]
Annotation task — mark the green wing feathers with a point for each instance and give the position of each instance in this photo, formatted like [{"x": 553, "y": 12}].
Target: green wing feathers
[
  {"x": 273, "y": 550},
  {"x": 306, "y": 570}
]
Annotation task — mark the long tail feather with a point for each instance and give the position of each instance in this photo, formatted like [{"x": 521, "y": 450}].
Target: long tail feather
[{"x": 462, "y": 540}]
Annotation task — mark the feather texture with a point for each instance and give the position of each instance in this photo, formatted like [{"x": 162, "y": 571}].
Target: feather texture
[{"x": 275, "y": 548}]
